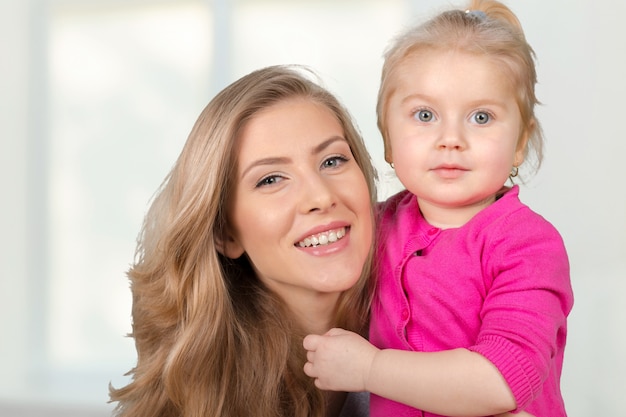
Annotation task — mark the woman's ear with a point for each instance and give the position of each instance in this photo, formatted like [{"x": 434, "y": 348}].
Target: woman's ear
[{"x": 229, "y": 247}]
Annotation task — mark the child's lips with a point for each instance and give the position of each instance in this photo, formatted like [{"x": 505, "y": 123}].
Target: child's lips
[{"x": 449, "y": 171}]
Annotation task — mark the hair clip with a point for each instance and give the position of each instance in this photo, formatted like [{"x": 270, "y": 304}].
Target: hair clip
[{"x": 478, "y": 14}]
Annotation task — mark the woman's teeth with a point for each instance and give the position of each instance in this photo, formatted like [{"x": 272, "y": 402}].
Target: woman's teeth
[{"x": 323, "y": 238}]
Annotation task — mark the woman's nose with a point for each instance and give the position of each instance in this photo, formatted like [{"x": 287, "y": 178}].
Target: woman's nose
[{"x": 316, "y": 195}]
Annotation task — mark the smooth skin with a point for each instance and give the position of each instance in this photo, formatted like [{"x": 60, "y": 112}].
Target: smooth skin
[
  {"x": 455, "y": 132},
  {"x": 297, "y": 179}
]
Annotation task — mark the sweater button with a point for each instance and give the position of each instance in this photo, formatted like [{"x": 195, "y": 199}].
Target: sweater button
[
  {"x": 433, "y": 231},
  {"x": 405, "y": 314}
]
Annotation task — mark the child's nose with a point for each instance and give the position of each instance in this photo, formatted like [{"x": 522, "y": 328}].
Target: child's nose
[{"x": 452, "y": 137}]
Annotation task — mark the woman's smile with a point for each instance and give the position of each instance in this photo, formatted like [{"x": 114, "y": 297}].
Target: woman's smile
[{"x": 324, "y": 238}]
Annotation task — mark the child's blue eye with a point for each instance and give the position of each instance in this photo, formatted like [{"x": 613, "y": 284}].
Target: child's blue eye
[
  {"x": 481, "y": 117},
  {"x": 424, "y": 116}
]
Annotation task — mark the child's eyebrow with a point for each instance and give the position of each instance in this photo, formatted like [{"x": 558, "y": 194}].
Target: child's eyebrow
[{"x": 415, "y": 96}]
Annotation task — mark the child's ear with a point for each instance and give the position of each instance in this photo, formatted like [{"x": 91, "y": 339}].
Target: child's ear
[
  {"x": 229, "y": 247},
  {"x": 520, "y": 153},
  {"x": 388, "y": 154},
  {"x": 522, "y": 144}
]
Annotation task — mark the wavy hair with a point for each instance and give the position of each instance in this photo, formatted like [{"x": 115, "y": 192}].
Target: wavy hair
[
  {"x": 486, "y": 27},
  {"x": 211, "y": 339}
]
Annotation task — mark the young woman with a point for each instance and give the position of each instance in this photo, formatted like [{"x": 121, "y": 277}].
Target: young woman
[{"x": 260, "y": 234}]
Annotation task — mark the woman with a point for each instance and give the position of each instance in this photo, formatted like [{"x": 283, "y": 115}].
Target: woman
[{"x": 259, "y": 235}]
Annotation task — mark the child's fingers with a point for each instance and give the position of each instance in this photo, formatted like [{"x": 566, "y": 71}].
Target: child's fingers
[
  {"x": 311, "y": 341},
  {"x": 335, "y": 332},
  {"x": 309, "y": 370}
]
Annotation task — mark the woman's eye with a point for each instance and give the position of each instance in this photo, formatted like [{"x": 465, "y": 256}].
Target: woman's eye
[
  {"x": 482, "y": 117},
  {"x": 269, "y": 180},
  {"x": 424, "y": 116},
  {"x": 334, "y": 162}
]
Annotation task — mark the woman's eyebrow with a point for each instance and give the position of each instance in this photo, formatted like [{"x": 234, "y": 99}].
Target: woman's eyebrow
[
  {"x": 265, "y": 161},
  {"x": 325, "y": 144}
]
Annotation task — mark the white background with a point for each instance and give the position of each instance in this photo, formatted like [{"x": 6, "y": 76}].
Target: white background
[{"x": 97, "y": 98}]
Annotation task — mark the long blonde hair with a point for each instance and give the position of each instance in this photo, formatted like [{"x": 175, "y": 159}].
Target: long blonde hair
[
  {"x": 211, "y": 340},
  {"x": 485, "y": 27}
]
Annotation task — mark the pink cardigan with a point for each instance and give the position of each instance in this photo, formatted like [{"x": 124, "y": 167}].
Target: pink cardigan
[{"x": 499, "y": 286}]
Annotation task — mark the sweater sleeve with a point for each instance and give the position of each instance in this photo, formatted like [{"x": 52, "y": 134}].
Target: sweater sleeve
[{"x": 527, "y": 302}]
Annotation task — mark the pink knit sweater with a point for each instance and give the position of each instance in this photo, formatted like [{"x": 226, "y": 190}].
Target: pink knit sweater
[{"x": 499, "y": 286}]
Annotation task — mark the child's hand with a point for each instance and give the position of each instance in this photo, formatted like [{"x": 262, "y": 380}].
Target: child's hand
[
  {"x": 520, "y": 414},
  {"x": 339, "y": 360}
]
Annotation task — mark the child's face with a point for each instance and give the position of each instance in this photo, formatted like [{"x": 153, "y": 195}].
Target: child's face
[{"x": 454, "y": 127}]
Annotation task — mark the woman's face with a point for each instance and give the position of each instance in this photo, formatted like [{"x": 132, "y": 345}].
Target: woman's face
[{"x": 301, "y": 208}]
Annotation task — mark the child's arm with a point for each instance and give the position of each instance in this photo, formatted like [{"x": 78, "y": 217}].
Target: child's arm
[{"x": 455, "y": 382}]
